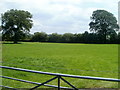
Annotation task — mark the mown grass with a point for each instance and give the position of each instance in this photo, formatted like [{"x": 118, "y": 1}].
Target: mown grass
[{"x": 100, "y": 60}]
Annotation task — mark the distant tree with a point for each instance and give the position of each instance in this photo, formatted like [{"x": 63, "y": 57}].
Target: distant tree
[
  {"x": 118, "y": 38},
  {"x": 27, "y": 37},
  {"x": 39, "y": 37},
  {"x": 54, "y": 37},
  {"x": 85, "y": 37},
  {"x": 67, "y": 37},
  {"x": 77, "y": 38},
  {"x": 104, "y": 24},
  {"x": 0, "y": 37},
  {"x": 113, "y": 38},
  {"x": 15, "y": 24}
]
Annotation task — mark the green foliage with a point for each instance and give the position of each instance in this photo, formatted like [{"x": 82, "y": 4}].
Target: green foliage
[
  {"x": 100, "y": 60},
  {"x": 67, "y": 37},
  {"x": 85, "y": 37},
  {"x": 54, "y": 37},
  {"x": 118, "y": 38},
  {"x": 39, "y": 37},
  {"x": 15, "y": 24},
  {"x": 104, "y": 24}
]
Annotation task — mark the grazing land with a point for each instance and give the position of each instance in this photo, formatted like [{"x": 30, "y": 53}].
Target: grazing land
[{"x": 99, "y": 60}]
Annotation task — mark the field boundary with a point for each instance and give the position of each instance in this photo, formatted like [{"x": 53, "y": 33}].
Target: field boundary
[{"x": 57, "y": 76}]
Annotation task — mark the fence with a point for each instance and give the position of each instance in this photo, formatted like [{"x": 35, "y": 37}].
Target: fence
[{"x": 57, "y": 76}]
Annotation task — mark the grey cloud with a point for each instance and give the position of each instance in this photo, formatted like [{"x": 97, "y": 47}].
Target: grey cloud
[
  {"x": 42, "y": 16},
  {"x": 59, "y": 15}
]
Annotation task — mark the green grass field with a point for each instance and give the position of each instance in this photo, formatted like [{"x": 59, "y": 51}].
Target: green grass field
[{"x": 99, "y": 60}]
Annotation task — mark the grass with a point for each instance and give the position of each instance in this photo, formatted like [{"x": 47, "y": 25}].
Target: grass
[{"x": 100, "y": 60}]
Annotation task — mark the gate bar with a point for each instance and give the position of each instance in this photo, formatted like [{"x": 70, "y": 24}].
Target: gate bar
[
  {"x": 43, "y": 83},
  {"x": 34, "y": 82},
  {"x": 64, "y": 75},
  {"x": 8, "y": 87}
]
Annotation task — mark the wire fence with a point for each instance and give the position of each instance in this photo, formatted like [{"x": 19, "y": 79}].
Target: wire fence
[{"x": 59, "y": 68}]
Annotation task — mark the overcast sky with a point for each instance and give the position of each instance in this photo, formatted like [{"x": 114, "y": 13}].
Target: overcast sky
[{"x": 60, "y": 16}]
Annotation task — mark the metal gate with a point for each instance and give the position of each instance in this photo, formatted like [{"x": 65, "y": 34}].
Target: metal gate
[{"x": 56, "y": 76}]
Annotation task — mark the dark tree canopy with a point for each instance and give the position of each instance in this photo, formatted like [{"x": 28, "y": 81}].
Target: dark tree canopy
[
  {"x": 67, "y": 37},
  {"x": 54, "y": 37},
  {"x": 104, "y": 24},
  {"x": 15, "y": 24},
  {"x": 39, "y": 37}
]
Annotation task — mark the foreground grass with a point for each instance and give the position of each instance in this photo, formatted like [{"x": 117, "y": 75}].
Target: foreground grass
[{"x": 98, "y": 60}]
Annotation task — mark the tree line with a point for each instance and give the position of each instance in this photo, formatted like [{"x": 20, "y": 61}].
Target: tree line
[
  {"x": 16, "y": 25},
  {"x": 85, "y": 37}
]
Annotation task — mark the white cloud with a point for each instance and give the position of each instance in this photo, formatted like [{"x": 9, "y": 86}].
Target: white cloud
[{"x": 60, "y": 15}]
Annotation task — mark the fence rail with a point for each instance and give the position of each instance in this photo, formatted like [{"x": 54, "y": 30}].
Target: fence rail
[
  {"x": 77, "y": 70},
  {"x": 57, "y": 76}
]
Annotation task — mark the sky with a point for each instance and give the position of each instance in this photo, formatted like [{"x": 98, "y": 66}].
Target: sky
[{"x": 60, "y": 16}]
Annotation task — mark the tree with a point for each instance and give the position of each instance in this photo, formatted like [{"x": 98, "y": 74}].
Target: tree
[
  {"x": 118, "y": 38},
  {"x": 39, "y": 37},
  {"x": 67, "y": 37},
  {"x": 16, "y": 23},
  {"x": 77, "y": 38},
  {"x": 54, "y": 37},
  {"x": 85, "y": 37},
  {"x": 104, "y": 24}
]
